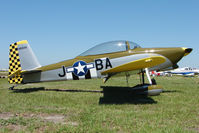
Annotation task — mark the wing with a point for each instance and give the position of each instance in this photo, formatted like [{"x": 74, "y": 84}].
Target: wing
[{"x": 137, "y": 65}]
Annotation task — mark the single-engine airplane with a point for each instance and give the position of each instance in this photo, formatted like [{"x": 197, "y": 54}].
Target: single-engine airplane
[
  {"x": 102, "y": 61},
  {"x": 186, "y": 71}
]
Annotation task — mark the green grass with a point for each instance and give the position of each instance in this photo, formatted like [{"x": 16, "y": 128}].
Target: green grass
[{"x": 36, "y": 110}]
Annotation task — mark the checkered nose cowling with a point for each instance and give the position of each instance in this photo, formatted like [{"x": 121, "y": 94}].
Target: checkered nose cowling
[{"x": 14, "y": 65}]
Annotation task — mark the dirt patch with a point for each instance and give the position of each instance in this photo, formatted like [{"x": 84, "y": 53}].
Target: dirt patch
[
  {"x": 55, "y": 118},
  {"x": 73, "y": 123},
  {"x": 6, "y": 116},
  {"x": 27, "y": 115},
  {"x": 15, "y": 127}
]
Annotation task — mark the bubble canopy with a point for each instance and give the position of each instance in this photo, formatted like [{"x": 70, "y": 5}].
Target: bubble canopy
[{"x": 110, "y": 47}]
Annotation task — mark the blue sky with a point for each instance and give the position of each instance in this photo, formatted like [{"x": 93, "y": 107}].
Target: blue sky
[{"x": 62, "y": 29}]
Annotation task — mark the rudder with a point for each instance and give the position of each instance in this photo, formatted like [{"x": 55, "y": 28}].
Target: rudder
[{"x": 14, "y": 65}]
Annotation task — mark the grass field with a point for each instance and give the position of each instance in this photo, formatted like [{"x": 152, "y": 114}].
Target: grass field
[{"x": 30, "y": 108}]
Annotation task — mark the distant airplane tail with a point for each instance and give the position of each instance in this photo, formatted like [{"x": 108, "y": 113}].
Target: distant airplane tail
[{"x": 21, "y": 58}]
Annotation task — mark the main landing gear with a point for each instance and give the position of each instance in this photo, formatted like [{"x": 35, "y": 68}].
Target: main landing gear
[
  {"x": 152, "y": 88},
  {"x": 142, "y": 80}
]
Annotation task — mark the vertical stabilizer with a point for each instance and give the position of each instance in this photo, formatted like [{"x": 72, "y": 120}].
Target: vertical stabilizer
[
  {"x": 21, "y": 57},
  {"x": 28, "y": 59}
]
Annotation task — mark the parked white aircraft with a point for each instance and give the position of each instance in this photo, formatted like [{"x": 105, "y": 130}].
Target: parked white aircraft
[{"x": 185, "y": 71}]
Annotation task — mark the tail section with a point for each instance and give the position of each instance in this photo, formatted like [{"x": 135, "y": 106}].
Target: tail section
[{"x": 21, "y": 58}]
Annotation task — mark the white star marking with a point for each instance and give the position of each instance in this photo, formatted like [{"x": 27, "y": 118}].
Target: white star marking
[{"x": 80, "y": 68}]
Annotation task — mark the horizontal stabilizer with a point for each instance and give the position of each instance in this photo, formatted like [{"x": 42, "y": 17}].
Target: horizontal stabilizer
[
  {"x": 14, "y": 74},
  {"x": 137, "y": 64},
  {"x": 30, "y": 71},
  {"x": 19, "y": 72}
]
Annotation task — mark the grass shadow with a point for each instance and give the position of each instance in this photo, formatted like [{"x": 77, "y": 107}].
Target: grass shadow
[
  {"x": 74, "y": 90},
  {"x": 124, "y": 95},
  {"x": 127, "y": 100},
  {"x": 171, "y": 91},
  {"x": 115, "y": 95},
  {"x": 29, "y": 90}
]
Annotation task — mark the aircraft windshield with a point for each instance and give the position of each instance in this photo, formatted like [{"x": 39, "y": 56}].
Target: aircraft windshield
[{"x": 110, "y": 47}]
